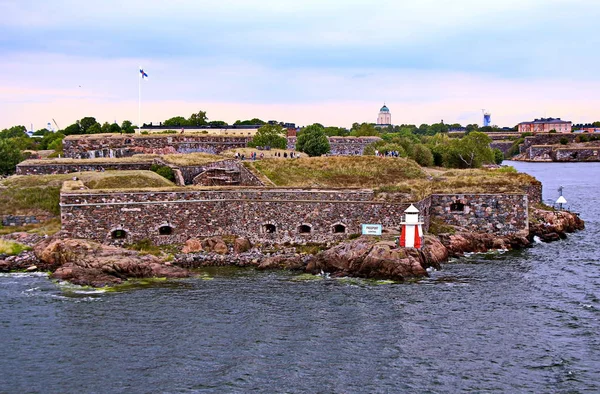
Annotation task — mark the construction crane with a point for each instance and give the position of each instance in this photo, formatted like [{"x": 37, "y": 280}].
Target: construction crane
[{"x": 56, "y": 124}]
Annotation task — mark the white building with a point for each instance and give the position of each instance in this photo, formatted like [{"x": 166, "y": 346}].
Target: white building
[{"x": 385, "y": 117}]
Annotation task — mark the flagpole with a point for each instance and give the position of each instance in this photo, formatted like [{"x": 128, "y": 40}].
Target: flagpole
[{"x": 140, "y": 102}]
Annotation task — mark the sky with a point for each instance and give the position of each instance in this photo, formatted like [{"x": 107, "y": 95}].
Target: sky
[{"x": 300, "y": 61}]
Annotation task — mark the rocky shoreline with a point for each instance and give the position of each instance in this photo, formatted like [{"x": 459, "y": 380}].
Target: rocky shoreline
[{"x": 88, "y": 263}]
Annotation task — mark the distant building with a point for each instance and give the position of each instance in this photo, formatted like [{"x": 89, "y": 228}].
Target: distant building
[
  {"x": 385, "y": 117},
  {"x": 586, "y": 128},
  {"x": 545, "y": 125},
  {"x": 487, "y": 119}
]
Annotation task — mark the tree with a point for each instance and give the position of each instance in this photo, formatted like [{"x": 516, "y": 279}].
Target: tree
[
  {"x": 472, "y": 127},
  {"x": 75, "y": 128},
  {"x": 42, "y": 132},
  {"x": 313, "y": 141},
  {"x": 422, "y": 155},
  {"x": 15, "y": 131},
  {"x": 498, "y": 156},
  {"x": 269, "y": 135},
  {"x": 127, "y": 127},
  {"x": 94, "y": 129},
  {"x": 10, "y": 156},
  {"x": 197, "y": 119},
  {"x": 365, "y": 130},
  {"x": 106, "y": 127},
  {"x": 217, "y": 123},
  {"x": 250, "y": 122},
  {"x": 114, "y": 128},
  {"x": 86, "y": 123},
  {"x": 470, "y": 151},
  {"x": 336, "y": 131},
  {"x": 177, "y": 121}
]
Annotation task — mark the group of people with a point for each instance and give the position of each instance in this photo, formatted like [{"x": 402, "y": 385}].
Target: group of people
[
  {"x": 392, "y": 153},
  {"x": 254, "y": 155}
]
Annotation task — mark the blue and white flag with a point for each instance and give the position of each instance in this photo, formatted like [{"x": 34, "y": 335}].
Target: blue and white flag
[{"x": 143, "y": 74}]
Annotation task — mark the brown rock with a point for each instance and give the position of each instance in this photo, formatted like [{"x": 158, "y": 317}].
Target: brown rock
[
  {"x": 88, "y": 263},
  {"x": 215, "y": 244},
  {"x": 192, "y": 245},
  {"x": 241, "y": 245},
  {"x": 293, "y": 263},
  {"x": 434, "y": 252}
]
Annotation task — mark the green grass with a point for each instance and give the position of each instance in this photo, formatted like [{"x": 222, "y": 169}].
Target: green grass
[
  {"x": 12, "y": 248},
  {"x": 340, "y": 171},
  {"x": 31, "y": 194}
]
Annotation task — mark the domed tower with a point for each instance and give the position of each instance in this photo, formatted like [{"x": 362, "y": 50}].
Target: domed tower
[{"x": 385, "y": 117}]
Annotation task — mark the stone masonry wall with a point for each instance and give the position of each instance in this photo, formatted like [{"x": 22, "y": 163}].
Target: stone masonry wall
[
  {"x": 270, "y": 215},
  {"x": 576, "y": 154},
  {"x": 504, "y": 146},
  {"x": 24, "y": 220},
  {"x": 116, "y": 145},
  {"x": 27, "y": 168},
  {"x": 546, "y": 139},
  {"x": 342, "y": 146},
  {"x": 491, "y": 213},
  {"x": 243, "y": 212},
  {"x": 540, "y": 153}
]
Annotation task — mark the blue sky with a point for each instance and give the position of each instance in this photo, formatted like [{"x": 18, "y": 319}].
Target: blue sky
[{"x": 333, "y": 62}]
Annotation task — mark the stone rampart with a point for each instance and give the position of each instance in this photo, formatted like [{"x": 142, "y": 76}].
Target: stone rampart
[
  {"x": 342, "y": 146},
  {"x": 267, "y": 215},
  {"x": 262, "y": 215},
  {"x": 546, "y": 139},
  {"x": 576, "y": 154},
  {"x": 490, "y": 213},
  {"x": 35, "y": 168},
  {"x": 24, "y": 220},
  {"x": 504, "y": 146},
  {"x": 116, "y": 145},
  {"x": 539, "y": 153}
]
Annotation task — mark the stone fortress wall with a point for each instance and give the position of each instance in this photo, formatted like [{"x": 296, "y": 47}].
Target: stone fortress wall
[
  {"x": 29, "y": 167},
  {"x": 125, "y": 145},
  {"x": 276, "y": 215}
]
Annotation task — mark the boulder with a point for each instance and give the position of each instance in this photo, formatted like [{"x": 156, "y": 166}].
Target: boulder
[
  {"x": 292, "y": 263},
  {"x": 366, "y": 258},
  {"x": 215, "y": 244},
  {"x": 241, "y": 245},
  {"x": 192, "y": 245},
  {"x": 88, "y": 263}
]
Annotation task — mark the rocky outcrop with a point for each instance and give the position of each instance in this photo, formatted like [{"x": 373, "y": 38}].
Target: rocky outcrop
[
  {"x": 88, "y": 263},
  {"x": 285, "y": 262},
  {"x": 469, "y": 242},
  {"x": 551, "y": 225},
  {"x": 366, "y": 258},
  {"x": 241, "y": 245}
]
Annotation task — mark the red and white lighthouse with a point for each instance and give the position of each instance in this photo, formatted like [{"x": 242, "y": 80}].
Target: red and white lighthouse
[{"x": 412, "y": 229}]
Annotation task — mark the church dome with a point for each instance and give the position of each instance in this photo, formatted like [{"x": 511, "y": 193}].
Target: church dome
[{"x": 384, "y": 109}]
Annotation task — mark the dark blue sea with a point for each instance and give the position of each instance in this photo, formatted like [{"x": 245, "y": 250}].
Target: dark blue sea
[{"x": 518, "y": 322}]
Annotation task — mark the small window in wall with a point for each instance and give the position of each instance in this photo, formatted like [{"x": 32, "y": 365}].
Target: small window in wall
[
  {"x": 128, "y": 141},
  {"x": 165, "y": 230},
  {"x": 270, "y": 228},
  {"x": 304, "y": 229},
  {"x": 339, "y": 229},
  {"x": 119, "y": 234},
  {"x": 457, "y": 207}
]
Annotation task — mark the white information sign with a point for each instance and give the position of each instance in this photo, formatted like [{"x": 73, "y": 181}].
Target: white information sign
[{"x": 371, "y": 229}]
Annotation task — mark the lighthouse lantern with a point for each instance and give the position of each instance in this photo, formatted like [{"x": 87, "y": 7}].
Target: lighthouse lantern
[{"x": 412, "y": 229}]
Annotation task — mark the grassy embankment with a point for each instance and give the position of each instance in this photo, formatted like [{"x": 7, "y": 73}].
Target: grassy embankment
[
  {"x": 40, "y": 194},
  {"x": 390, "y": 176}
]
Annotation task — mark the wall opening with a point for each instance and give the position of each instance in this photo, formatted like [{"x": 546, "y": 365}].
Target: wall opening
[
  {"x": 270, "y": 228},
  {"x": 339, "y": 229},
  {"x": 119, "y": 234},
  {"x": 304, "y": 229},
  {"x": 165, "y": 230},
  {"x": 457, "y": 206}
]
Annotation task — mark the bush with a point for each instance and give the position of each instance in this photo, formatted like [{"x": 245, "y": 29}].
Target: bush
[
  {"x": 564, "y": 141},
  {"x": 313, "y": 141},
  {"x": 423, "y": 155},
  {"x": 10, "y": 156},
  {"x": 164, "y": 171},
  {"x": 269, "y": 135},
  {"x": 498, "y": 156}
]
